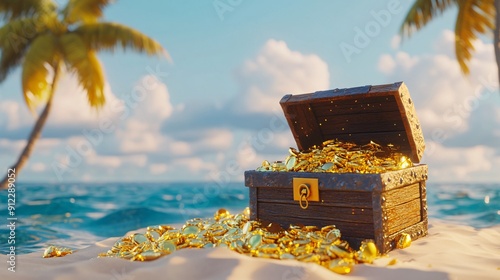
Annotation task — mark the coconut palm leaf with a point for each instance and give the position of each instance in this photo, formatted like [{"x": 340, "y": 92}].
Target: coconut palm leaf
[
  {"x": 107, "y": 36},
  {"x": 10, "y": 59},
  {"x": 474, "y": 17},
  {"x": 15, "y": 38},
  {"x": 84, "y": 10},
  {"x": 40, "y": 58},
  {"x": 25, "y": 28},
  {"x": 422, "y": 12},
  {"x": 12, "y": 9},
  {"x": 85, "y": 64}
]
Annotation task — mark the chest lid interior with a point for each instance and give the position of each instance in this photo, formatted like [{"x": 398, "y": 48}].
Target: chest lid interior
[{"x": 384, "y": 114}]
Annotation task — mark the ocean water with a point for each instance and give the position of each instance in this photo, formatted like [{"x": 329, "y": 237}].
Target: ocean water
[{"x": 77, "y": 215}]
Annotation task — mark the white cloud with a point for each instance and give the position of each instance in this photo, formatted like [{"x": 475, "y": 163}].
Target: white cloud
[
  {"x": 180, "y": 148},
  {"x": 153, "y": 105},
  {"x": 194, "y": 164},
  {"x": 449, "y": 104},
  {"x": 215, "y": 139},
  {"x": 386, "y": 64},
  {"x": 136, "y": 139},
  {"x": 395, "y": 42},
  {"x": 38, "y": 167},
  {"x": 139, "y": 160},
  {"x": 104, "y": 161},
  {"x": 141, "y": 132},
  {"x": 71, "y": 106},
  {"x": 46, "y": 144},
  {"x": 14, "y": 116},
  {"x": 464, "y": 164},
  {"x": 13, "y": 146},
  {"x": 443, "y": 96},
  {"x": 158, "y": 168},
  {"x": 276, "y": 71}
]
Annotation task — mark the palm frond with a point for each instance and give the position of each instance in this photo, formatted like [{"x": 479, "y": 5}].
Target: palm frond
[
  {"x": 12, "y": 9},
  {"x": 422, "y": 12},
  {"x": 11, "y": 58},
  {"x": 84, "y": 63},
  {"x": 107, "y": 36},
  {"x": 15, "y": 37},
  {"x": 84, "y": 10},
  {"x": 26, "y": 28},
  {"x": 39, "y": 60},
  {"x": 474, "y": 17}
]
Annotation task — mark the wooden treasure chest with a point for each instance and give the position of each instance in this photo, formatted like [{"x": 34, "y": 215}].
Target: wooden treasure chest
[{"x": 379, "y": 206}]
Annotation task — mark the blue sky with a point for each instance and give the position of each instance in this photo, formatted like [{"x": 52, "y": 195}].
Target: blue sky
[{"x": 207, "y": 115}]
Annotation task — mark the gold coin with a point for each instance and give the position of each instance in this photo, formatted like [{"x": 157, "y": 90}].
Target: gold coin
[
  {"x": 246, "y": 212},
  {"x": 247, "y": 228},
  {"x": 190, "y": 231},
  {"x": 164, "y": 228},
  {"x": 208, "y": 245},
  {"x": 267, "y": 255},
  {"x": 287, "y": 256},
  {"x": 340, "y": 266},
  {"x": 367, "y": 251},
  {"x": 196, "y": 243},
  {"x": 310, "y": 228},
  {"x": 404, "y": 241},
  {"x": 309, "y": 258},
  {"x": 333, "y": 235},
  {"x": 139, "y": 238},
  {"x": 334, "y": 250},
  {"x": 293, "y": 151},
  {"x": 255, "y": 241},
  {"x": 167, "y": 247},
  {"x": 290, "y": 162},
  {"x": 221, "y": 213},
  {"x": 149, "y": 255},
  {"x": 152, "y": 235},
  {"x": 327, "y": 166},
  {"x": 269, "y": 248}
]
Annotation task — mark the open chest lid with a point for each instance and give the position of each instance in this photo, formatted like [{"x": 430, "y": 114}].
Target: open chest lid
[{"x": 384, "y": 114}]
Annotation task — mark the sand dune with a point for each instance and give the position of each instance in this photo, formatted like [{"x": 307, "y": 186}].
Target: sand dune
[{"x": 449, "y": 252}]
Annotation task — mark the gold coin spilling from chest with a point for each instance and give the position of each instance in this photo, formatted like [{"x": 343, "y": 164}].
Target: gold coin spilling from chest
[{"x": 238, "y": 233}]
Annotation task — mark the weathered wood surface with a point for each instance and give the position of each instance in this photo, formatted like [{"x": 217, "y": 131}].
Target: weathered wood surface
[
  {"x": 348, "y": 229},
  {"x": 329, "y": 198},
  {"x": 351, "y": 182},
  {"x": 384, "y": 114},
  {"x": 402, "y": 195},
  {"x": 402, "y": 216},
  {"x": 377, "y": 122},
  {"x": 317, "y": 211}
]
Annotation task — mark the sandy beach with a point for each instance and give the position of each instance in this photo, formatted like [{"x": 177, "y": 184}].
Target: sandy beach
[{"x": 448, "y": 252}]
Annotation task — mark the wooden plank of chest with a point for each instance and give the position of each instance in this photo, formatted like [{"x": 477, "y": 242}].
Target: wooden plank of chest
[
  {"x": 317, "y": 211},
  {"x": 330, "y": 198},
  {"x": 402, "y": 207}
]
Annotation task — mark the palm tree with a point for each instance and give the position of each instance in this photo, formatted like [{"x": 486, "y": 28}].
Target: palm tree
[
  {"x": 474, "y": 17},
  {"x": 47, "y": 40}
]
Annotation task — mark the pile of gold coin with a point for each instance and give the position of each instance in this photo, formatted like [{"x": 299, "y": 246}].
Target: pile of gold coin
[
  {"x": 55, "y": 251},
  {"x": 323, "y": 246},
  {"x": 340, "y": 157}
]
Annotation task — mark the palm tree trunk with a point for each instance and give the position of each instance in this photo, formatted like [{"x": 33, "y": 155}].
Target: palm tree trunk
[
  {"x": 496, "y": 40},
  {"x": 35, "y": 134}
]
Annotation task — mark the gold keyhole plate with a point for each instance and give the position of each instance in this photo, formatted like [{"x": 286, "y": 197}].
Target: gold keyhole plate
[{"x": 312, "y": 183}]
